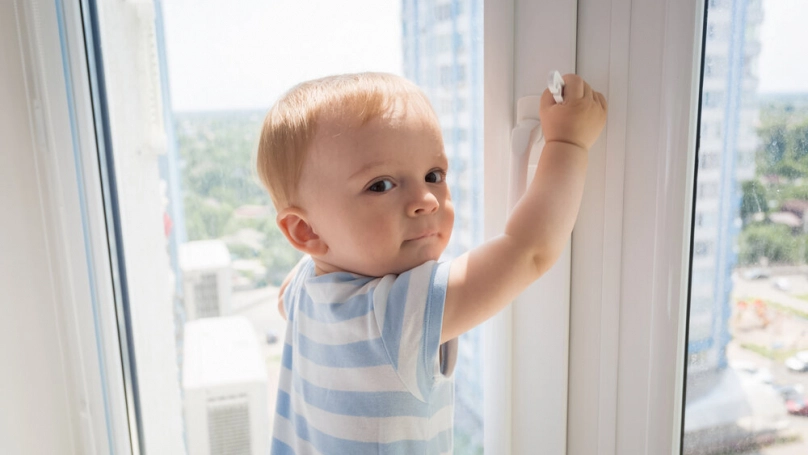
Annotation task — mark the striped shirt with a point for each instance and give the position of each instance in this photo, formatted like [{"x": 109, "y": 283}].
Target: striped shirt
[{"x": 363, "y": 369}]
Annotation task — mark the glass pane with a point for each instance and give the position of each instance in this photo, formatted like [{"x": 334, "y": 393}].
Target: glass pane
[
  {"x": 747, "y": 349},
  {"x": 188, "y": 84}
]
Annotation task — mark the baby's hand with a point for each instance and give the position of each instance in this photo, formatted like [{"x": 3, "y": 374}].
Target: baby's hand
[{"x": 579, "y": 119}]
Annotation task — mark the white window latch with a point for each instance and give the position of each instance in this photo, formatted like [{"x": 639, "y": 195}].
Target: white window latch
[{"x": 526, "y": 135}]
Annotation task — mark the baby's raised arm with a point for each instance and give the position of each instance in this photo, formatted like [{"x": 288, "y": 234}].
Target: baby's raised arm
[{"x": 489, "y": 277}]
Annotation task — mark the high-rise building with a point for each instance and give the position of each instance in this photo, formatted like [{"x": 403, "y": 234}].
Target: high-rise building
[
  {"x": 716, "y": 398},
  {"x": 728, "y": 143},
  {"x": 442, "y": 42}
]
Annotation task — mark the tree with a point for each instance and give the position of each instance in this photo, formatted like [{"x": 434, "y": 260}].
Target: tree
[
  {"x": 774, "y": 242},
  {"x": 773, "y": 142},
  {"x": 205, "y": 218},
  {"x": 784, "y": 144},
  {"x": 753, "y": 200}
]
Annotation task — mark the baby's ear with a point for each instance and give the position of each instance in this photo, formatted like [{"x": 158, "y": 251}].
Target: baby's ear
[{"x": 293, "y": 222}]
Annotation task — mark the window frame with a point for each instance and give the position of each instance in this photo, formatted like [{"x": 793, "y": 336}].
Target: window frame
[
  {"x": 55, "y": 58},
  {"x": 529, "y": 338},
  {"x": 626, "y": 396},
  {"x": 598, "y": 337}
]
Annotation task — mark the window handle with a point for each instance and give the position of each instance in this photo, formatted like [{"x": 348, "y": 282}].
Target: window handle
[{"x": 526, "y": 136}]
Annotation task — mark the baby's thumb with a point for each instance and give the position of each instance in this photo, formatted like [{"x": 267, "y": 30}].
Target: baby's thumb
[{"x": 547, "y": 100}]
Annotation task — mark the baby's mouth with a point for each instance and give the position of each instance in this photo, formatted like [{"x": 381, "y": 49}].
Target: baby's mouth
[{"x": 423, "y": 236}]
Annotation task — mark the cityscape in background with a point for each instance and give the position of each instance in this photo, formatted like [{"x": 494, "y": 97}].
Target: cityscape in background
[
  {"x": 748, "y": 308},
  {"x": 747, "y": 347}
]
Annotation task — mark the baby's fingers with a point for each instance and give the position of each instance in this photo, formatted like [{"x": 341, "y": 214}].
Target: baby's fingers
[
  {"x": 588, "y": 92},
  {"x": 602, "y": 101},
  {"x": 574, "y": 87},
  {"x": 547, "y": 100}
]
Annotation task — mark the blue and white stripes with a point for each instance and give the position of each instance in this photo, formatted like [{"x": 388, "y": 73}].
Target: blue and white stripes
[{"x": 361, "y": 370}]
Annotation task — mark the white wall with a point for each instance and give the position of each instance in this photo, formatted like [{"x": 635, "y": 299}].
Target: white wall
[{"x": 35, "y": 402}]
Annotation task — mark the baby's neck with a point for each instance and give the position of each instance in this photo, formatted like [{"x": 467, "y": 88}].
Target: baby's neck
[{"x": 322, "y": 268}]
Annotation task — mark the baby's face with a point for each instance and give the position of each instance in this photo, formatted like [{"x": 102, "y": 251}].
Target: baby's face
[{"x": 377, "y": 195}]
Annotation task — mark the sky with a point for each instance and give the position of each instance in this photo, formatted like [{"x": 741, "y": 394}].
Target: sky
[
  {"x": 784, "y": 40},
  {"x": 243, "y": 54}
]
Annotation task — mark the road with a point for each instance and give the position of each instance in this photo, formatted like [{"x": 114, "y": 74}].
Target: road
[{"x": 784, "y": 332}]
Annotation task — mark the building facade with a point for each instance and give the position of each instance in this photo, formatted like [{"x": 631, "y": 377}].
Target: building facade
[{"x": 727, "y": 145}]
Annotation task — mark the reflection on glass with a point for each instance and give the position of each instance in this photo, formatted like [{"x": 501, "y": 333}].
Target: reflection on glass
[
  {"x": 207, "y": 333},
  {"x": 747, "y": 348}
]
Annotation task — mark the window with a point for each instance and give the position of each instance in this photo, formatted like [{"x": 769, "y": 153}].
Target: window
[
  {"x": 709, "y": 161},
  {"x": 746, "y": 350},
  {"x": 714, "y": 66},
  {"x": 706, "y": 219},
  {"x": 443, "y": 11},
  {"x": 702, "y": 248},
  {"x": 707, "y": 190},
  {"x": 713, "y": 99},
  {"x": 203, "y": 257}
]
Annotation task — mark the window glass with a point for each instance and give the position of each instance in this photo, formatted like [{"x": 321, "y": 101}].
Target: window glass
[
  {"x": 747, "y": 347},
  {"x": 188, "y": 85}
]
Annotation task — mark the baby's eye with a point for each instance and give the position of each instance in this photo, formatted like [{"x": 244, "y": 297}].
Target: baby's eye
[
  {"x": 381, "y": 186},
  {"x": 435, "y": 177}
]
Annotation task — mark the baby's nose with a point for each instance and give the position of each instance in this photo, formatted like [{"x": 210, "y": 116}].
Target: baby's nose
[{"x": 424, "y": 203}]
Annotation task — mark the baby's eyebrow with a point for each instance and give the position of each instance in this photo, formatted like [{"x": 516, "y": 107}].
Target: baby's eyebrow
[{"x": 367, "y": 167}]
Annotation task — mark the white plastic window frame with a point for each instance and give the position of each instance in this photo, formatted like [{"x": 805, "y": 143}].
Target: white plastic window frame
[
  {"x": 526, "y": 345},
  {"x": 624, "y": 330},
  {"x": 56, "y": 64},
  {"x": 514, "y": 66},
  {"x": 631, "y": 245}
]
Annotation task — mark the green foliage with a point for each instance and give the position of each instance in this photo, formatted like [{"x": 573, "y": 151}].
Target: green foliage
[
  {"x": 754, "y": 200},
  {"x": 218, "y": 175},
  {"x": 783, "y": 142},
  {"x": 774, "y": 242},
  {"x": 783, "y": 154},
  {"x": 463, "y": 443},
  {"x": 205, "y": 218},
  {"x": 278, "y": 256},
  {"x": 217, "y": 151},
  {"x": 791, "y": 191},
  {"x": 779, "y": 355},
  {"x": 773, "y": 141}
]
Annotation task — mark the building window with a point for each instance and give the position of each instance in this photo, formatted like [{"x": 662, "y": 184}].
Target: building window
[
  {"x": 443, "y": 11},
  {"x": 712, "y": 100},
  {"x": 707, "y": 190},
  {"x": 709, "y": 161},
  {"x": 702, "y": 248}
]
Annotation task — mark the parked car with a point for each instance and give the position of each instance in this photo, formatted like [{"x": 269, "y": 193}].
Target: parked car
[
  {"x": 798, "y": 362},
  {"x": 795, "y": 364},
  {"x": 782, "y": 284},
  {"x": 272, "y": 337},
  {"x": 788, "y": 391},
  {"x": 797, "y": 405},
  {"x": 756, "y": 274}
]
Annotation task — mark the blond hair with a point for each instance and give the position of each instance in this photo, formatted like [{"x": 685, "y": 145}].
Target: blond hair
[{"x": 291, "y": 124}]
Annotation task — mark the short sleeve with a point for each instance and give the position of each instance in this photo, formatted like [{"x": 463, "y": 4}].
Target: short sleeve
[{"x": 409, "y": 310}]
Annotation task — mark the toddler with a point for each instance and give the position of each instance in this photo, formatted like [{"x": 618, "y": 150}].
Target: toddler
[{"x": 356, "y": 169}]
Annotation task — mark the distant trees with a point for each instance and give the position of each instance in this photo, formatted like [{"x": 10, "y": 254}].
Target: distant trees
[
  {"x": 784, "y": 142},
  {"x": 754, "y": 199},
  {"x": 781, "y": 175},
  {"x": 218, "y": 176},
  {"x": 767, "y": 240}
]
